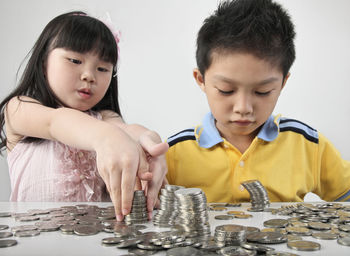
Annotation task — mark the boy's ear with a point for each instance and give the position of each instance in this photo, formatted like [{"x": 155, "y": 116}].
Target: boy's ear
[
  {"x": 285, "y": 80},
  {"x": 199, "y": 78}
]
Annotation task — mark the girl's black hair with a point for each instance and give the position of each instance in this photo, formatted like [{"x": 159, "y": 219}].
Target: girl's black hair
[
  {"x": 74, "y": 31},
  {"x": 260, "y": 27}
]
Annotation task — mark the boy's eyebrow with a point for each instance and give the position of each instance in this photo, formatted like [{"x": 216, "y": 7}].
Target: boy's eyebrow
[{"x": 233, "y": 82}]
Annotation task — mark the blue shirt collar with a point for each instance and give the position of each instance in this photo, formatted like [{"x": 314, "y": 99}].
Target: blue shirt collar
[{"x": 208, "y": 135}]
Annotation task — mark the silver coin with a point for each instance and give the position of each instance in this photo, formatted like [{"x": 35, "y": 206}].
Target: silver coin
[
  {"x": 183, "y": 251},
  {"x": 304, "y": 245},
  {"x": 129, "y": 242},
  {"x": 24, "y": 228},
  {"x": 3, "y": 227},
  {"x": 278, "y": 253},
  {"x": 344, "y": 241},
  {"x": 345, "y": 228},
  {"x": 138, "y": 251},
  {"x": 324, "y": 236},
  {"x": 7, "y": 243},
  {"x": 27, "y": 218},
  {"x": 83, "y": 230},
  {"x": 257, "y": 247},
  {"x": 5, "y": 214},
  {"x": 112, "y": 240},
  {"x": 223, "y": 217},
  {"x": 5, "y": 234},
  {"x": 27, "y": 233}
]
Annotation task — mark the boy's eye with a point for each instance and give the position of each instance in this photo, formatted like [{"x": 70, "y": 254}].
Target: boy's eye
[
  {"x": 75, "y": 61},
  {"x": 263, "y": 93},
  {"x": 225, "y": 92}
]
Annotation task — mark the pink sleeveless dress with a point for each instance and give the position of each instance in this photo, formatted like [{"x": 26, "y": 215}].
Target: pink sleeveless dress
[{"x": 51, "y": 171}]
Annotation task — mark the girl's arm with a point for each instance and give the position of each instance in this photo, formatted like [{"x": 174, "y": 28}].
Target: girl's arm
[
  {"x": 155, "y": 150},
  {"x": 118, "y": 156}
]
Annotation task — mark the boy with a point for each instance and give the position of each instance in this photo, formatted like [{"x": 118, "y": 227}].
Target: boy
[{"x": 244, "y": 53}]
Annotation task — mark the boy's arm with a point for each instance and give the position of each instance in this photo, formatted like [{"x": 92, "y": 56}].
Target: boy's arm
[
  {"x": 117, "y": 155},
  {"x": 154, "y": 148},
  {"x": 334, "y": 173}
]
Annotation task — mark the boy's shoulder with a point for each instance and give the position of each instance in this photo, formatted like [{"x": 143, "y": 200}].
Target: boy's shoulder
[
  {"x": 187, "y": 134},
  {"x": 293, "y": 125}
]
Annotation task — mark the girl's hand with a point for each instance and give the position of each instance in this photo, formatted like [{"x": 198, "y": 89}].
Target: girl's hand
[
  {"x": 155, "y": 151},
  {"x": 119, "y": 158}
]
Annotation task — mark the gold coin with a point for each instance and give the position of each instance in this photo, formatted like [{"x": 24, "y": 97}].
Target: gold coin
[
  {"x": 235, "y": 212},
  {"x": 243, "y": 216}
]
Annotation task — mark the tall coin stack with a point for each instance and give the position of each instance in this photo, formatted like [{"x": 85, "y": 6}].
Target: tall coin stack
[
  {"x": 258, "y": 195},
  {"x": 138, "y": 213},
  {"x": 192, "y": 213},
  {"x": 166, "y": 215}
]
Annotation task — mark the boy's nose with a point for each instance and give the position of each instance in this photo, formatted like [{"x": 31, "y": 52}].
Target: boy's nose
[{"x": 243, "y": 105}]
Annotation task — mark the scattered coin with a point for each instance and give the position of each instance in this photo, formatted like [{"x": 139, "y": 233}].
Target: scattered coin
[
  {"x": 27, "y": 233},
  {"x": 344, "y": 241},
  {"x": 3, "y": 227},
  {"x": 324, "y": 236},
  {"x": 276, "y": 223},
  {"x": 5, "y": 234},
  {"x": 223, "y": 217},
  {"x": 7, "y": 243},
  {"x": 304, "y": 245}
]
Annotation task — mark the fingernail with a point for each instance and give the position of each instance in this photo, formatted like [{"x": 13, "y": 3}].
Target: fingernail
[
  {"x": 119, "y": 217},
  {"x": 125, "y": 211}
]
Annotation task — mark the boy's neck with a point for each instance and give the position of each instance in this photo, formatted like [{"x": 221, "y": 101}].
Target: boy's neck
[{"x": 241, "y": 142}]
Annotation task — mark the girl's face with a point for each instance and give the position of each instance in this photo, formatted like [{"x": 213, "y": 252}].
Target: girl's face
[{"x": 79, "y": 80}]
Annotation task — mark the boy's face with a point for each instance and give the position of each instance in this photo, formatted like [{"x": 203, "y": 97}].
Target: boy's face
[{"x": 242, "y": 91}]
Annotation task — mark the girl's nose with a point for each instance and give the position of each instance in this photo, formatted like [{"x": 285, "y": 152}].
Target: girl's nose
[{"x": 88, "y": 76}]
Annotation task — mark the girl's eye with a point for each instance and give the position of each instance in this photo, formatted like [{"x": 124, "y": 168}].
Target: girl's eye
[
  {"x": 262, "y": 93},
  {"x": 101, "y": 69},
  {"x": 75, "y": 61},
  {"x": 225, "y": 92}
]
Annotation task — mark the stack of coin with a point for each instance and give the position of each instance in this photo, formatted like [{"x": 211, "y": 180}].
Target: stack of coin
[
  {"x": 258, "y": 195},
  {"x": 230, "y": 234},
  {"x": 138, "y": 213},
  {"x": 191, "y": 210},
  {"x": 166, "y": 215}
]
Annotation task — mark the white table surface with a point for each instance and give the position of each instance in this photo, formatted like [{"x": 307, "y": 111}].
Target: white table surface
[{"x": 56, "y": 243}]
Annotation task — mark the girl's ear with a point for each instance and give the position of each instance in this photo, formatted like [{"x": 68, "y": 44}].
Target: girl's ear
[{"x": 199, "y": 78}]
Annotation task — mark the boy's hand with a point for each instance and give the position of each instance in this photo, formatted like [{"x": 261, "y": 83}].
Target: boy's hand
[{"x": 155, "y": 150}]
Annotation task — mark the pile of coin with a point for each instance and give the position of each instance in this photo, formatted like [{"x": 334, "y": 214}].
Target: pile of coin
[
  {"x": 138, "y": 213},
  {"x": 258, "y": 195},
  {"x": 166, "y": 215},
  {"x": 191, "y": 210},
  {"x": 230, "y": 234}
]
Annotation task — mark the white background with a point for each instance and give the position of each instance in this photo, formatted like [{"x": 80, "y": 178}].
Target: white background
[{"x": 158, "y": 56}]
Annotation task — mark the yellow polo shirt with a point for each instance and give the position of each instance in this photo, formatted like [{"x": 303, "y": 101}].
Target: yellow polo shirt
[{"x": 288, "y": 157}]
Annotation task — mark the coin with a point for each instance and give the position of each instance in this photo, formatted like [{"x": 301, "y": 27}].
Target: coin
[
  {"x": 344, "y": 241},
  {"x": 84, "y": 230},
  {"x": 278, "y": 253},
  {"x": 138, "y": 251},
  {"x": 27, "y": 233},
  {"x": 7, "y": 243},
  {"x": 5, "y": 234},
  {"x": 243, "y": 216},
  {"x": 304, "y": 245},
  {"x": 223, "y": 217},
  {"x": 3, "y": 227},
  {"x": 5, "y": 214},
  {"x": 325, "y": 236},
  {"x": 276, "y": 223},
  {"x": 129, "y": 243},
  {"x": 183, "y": 251}
]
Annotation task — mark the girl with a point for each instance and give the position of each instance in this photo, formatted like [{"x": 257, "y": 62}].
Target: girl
[{"x": 62, "y": 125}]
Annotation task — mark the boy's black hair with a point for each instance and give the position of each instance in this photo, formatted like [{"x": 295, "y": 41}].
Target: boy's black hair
[
  {"x": 259, "y": 27},
  {"x": 74, "y": 31}
]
